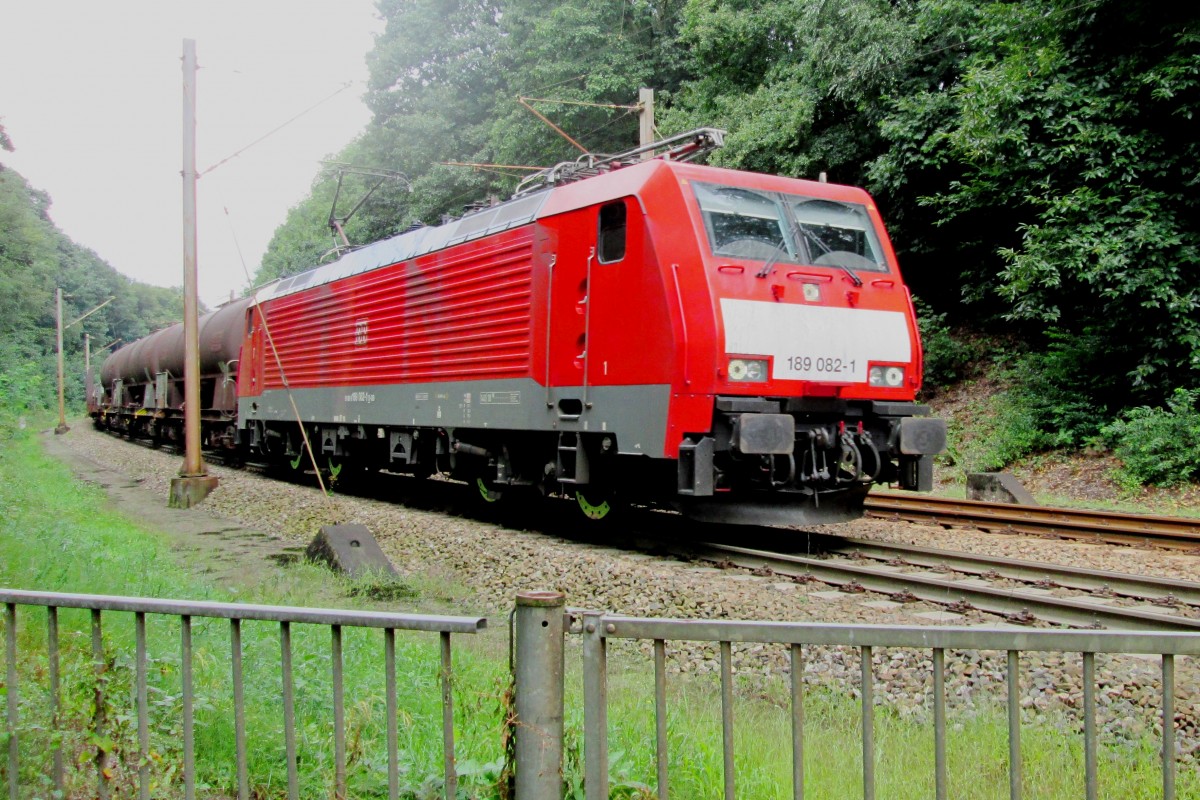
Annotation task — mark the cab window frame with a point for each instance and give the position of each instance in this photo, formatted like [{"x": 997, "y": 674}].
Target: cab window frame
[{"x": 612, "y": 232}]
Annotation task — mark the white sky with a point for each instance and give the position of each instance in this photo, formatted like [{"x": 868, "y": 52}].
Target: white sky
[{"x": 90, "y": 94}]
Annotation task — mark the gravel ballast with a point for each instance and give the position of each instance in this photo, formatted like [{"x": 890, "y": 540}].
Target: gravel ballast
[{"x": 481, "y": 565}]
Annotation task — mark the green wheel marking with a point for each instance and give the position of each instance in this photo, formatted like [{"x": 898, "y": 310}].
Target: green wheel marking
[
  {"x": 488, "y": 495},
  {"x": 597, "y": 511},
  {"x": 296, "y": 462},
  {"x": 334, "y": 470}
]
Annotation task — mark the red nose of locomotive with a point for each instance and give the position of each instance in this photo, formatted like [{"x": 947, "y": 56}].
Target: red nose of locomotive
[
  {"x": 818, "y": 357},
  {"x": 810, "y": 299}
]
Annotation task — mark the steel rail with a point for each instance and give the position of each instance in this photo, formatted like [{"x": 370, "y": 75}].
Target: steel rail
[
  {"x": 1108, "y": 526},
  {"x": 1012, "y": 603},
  {"x": 1092, "y": 580}
]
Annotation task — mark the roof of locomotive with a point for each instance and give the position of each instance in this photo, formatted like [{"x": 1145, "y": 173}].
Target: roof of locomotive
[
  {"x": 412, "y": 243},
  {"x": 522, "y": 210}
]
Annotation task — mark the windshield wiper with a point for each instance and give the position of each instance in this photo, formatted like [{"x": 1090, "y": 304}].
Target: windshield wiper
[
  {"x": 815, "y": 240},
  {"x": 853, "y": 275},
  {"x": 780, "y": 249}
]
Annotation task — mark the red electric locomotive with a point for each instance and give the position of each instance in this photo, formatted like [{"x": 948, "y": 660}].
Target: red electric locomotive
[{"x": 736, "y": 345}]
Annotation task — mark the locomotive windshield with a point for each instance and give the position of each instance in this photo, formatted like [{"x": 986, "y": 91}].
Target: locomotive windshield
[{"x": 779, "y": 227}]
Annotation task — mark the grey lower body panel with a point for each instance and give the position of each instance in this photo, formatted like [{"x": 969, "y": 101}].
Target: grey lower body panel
[{"x": 635, "y": 415}]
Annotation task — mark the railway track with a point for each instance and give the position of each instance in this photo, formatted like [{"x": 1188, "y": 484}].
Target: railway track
[
  {"x": 1175, "y": 533},
  {"x": 1022, "y": 592}
]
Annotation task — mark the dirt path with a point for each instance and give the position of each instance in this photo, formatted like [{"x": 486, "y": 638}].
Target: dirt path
[{"x": 219, "y": 548}]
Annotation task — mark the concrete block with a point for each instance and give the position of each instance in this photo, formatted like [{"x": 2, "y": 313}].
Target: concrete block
[
  {"x": 190, "y": 490},
  {"x": 351, "y": 549},
  {"x": 998, "y": 487}
]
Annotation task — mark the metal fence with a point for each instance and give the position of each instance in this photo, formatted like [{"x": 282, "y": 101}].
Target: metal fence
[
  {"x": 286, "y": 617},
  {"x": 598, "y": 629},
  {"x": 540, "y": 626}
]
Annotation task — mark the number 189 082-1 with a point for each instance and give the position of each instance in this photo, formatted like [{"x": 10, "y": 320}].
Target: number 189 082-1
[{"x": 823, "y": 364}]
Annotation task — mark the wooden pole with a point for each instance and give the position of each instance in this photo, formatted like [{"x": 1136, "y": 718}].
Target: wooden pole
[
  {"x": 646, "y": 120},
  {"x": 192, "y": 464},
  {"x": 87, "y": 371},
  {"x": 193, "y": 483},
  {"x": 62, "y": 409}
]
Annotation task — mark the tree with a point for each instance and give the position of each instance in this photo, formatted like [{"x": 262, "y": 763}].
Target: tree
[
  {"x": 795, "y": 82},
  {"x": 36, "y": 259},
  {"x": 1061, "y": 173},
  {"x": 445, "y": 78}
]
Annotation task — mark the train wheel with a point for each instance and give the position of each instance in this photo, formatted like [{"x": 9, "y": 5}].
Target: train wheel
[{"x": 596, "y": 503}]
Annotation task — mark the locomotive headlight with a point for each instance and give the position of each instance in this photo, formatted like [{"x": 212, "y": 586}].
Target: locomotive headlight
[
  {"x": 747, "y": 369},
  {"x": 891, "y": 377}
]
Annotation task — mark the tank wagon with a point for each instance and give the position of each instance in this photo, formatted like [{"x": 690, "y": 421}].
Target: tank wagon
[{"x": 736, "y": 345}]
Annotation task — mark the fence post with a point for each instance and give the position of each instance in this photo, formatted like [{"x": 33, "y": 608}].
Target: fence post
[
  {"x": 595, "y": 708},
  {"x": 538, "y": 662}
]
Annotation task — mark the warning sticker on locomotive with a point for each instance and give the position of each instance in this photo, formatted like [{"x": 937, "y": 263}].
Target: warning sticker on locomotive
[{"x": 816, "y": 343}]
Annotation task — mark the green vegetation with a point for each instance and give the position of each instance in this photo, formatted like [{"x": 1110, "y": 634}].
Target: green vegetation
[
  {"x": 59, "y": 536},
  {"x": 1159, "y": 446},
  {"x": 977, "y": 747},
  {"x": 45, "y": 511},
  {"x": 950, "y": 356},
  {"x": 36, "y": 259},
  {"x": 997, "y": 431}
]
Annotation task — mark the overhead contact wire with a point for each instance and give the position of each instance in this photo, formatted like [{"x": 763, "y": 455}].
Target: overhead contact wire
[{"x": 276, "y": 129}]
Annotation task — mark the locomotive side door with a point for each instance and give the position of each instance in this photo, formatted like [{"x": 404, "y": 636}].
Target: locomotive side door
[
  {"x": 250, "y": 365},
  {"x": 608, "y": 274},
  {"x": 569, "y": 264},
  {"x": 628, "y": 327},
  {"x": 608, "y": 320}
]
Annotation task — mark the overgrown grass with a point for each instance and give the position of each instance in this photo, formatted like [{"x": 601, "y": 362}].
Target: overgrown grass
[
  {"x": 977, "y": 748},
  {"x": 992, "y": 431},
  {"x": 57, "y": 535}
]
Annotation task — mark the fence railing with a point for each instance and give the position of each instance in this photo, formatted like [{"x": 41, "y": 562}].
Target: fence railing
[
  {"x": 598, "y": 629},
  {"x": 236, "y": 614},
  {"x": 540, "y": 625}
]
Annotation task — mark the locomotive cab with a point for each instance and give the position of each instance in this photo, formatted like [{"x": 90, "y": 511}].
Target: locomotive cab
[{"x": 817, "y": 353}]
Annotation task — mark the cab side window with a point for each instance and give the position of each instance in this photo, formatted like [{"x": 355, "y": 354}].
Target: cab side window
[{"x": 610, "y": 243}]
